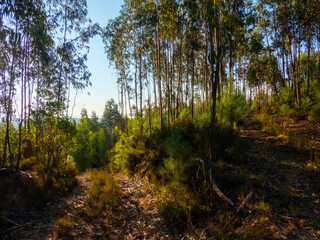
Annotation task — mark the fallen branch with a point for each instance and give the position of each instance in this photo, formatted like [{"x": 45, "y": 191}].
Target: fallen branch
[
  {"x": 218, "y": 191},
  {"x": 245, "y": 201},
  {"x": 213, "y": 182},
  {"x": 16, "y": 227},
  {"x": 12, "y": 222}
]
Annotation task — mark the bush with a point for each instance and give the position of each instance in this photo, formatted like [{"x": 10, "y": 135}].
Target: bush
[
  {"x": 103, "y": 193},
  {"x": 309, "y": 107},
  {"x": 58, "y": 180},
  {"x": 231, "y": 109},
  {"x": 123, "y": 154},
  {"x": 314, "y": 116},
  {"x": 64, "y": 176}
]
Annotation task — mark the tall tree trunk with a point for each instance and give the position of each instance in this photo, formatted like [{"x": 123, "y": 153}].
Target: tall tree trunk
[
  {"x": 136, "y": 87},
  {"x": 308, "y": 61},
  {"x": 59, "y": 98},
  {"x": 140, "y": 82},
  {"x": 215, "y": 84},
  {"x": 9, "y": 105},
  {"x": 167, "y": 63},
  {"x": 179, "y": 77},
  {"x": 192, "y": 82},
  {"x": 159, "y": 70},
  {"x": 319, "y": 55},
  {"x": 155, "y": 91}
]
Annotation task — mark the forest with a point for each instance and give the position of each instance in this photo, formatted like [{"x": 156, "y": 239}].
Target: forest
[{"x": 215, "y": 133}]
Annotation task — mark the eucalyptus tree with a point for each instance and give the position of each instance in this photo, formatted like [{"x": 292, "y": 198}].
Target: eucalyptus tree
[
  {"x": 287, "y": 25},
  {"x": 29, "y": 59},
  {"x": 70, "y": 18},
  {"x": 118, "y": 48}
]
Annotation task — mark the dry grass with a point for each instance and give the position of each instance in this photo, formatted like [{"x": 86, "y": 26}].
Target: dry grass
[
  {"x": 103, "y": 193},
  {"x": 63, "y": 227}
]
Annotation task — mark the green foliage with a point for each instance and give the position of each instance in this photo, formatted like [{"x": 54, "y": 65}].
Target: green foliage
[
  {"x": 263, "y": 69},
  {"x": 313, "y": 102},
  {"x": 170, "y": 159},
  {"x": 231, "y": 109},
  {"x": 122, "y": 152},
  {"x": 103, "y": 193},
  {"x": 309, "y": 108},
  {"x": 59, "y": 180},
  {"x": 92, "y": 141},
  {"x": 110, "y": 119},
  {"x": 63, "y": 177},
  {"x": 285, "y": 102}
]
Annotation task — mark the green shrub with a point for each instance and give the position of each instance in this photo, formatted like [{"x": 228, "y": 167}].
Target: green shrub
[
  {"x": 64, "y": 176},
  {"x": 309, "y": 106},
  {"x": 231, "y": 109},
  {"x": 314, "y": 116},
  {"x": 123, "y": 153},
  {"x": 286, "y": 110},
  {"x": 175, "y": 201}
]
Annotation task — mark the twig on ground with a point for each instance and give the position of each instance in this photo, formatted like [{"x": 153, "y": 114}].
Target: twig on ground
[
  {"x": 12, "y": 222},
  {"x": 15, "y": 228}
]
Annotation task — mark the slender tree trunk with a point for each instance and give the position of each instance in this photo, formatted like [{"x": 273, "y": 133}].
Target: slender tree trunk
[
  {"x": 149, "y": 110},
  {"x": 179, "y": 77},
  {"x": 192, "y": 82},
  {"x": 136, "y": 86},
  {"x": 140, "y": 82},
  {"x": 159, "y": 70},
  {"x": 22, "y": 106},
  {"x": 215, "y": 83},
  {"x": 308, "y": 66},
  {"x": 166, "y": 62},
  {"x": 230, "y": 55},
  {"x": 283, "y": 83},
  {"x": 59, "y": 98},
  {"x": 319, "y": 55},
  {"x": 155, "y": 91},
  {"x": 9, "y": 105}
]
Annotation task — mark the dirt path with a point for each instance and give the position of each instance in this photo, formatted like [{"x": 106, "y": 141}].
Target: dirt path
[
  {"x": 292, "y": 188},
  {"x": 42, "y": 221},
  {"x": 134, "y": 217},
  {"x": 140, "y": 218}
]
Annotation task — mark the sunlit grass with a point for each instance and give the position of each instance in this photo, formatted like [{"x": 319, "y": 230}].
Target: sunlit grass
[
  {"x": 63, "y": 227},
  {"x": 103, "y": 193}
]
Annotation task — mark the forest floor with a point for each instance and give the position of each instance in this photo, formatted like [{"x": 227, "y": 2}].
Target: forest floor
[
  {"x": 279, "y": 170},
  {"x": 284, "y": 163},
  {"x": 134, "y": 217}
]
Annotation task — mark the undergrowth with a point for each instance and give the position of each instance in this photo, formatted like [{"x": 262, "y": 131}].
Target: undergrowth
[
  {"x": 103, "y": 193},
  {"x": 308, "y": 107},
  {"x": 176, "y": 161},
  {"x": 58, "y": 180}
]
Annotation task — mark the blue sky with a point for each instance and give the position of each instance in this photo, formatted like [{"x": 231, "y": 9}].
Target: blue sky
[{"x": 104, "y": 76}]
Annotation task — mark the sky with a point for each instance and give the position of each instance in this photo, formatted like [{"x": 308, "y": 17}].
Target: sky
[{"x": 104, "y": 76}]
